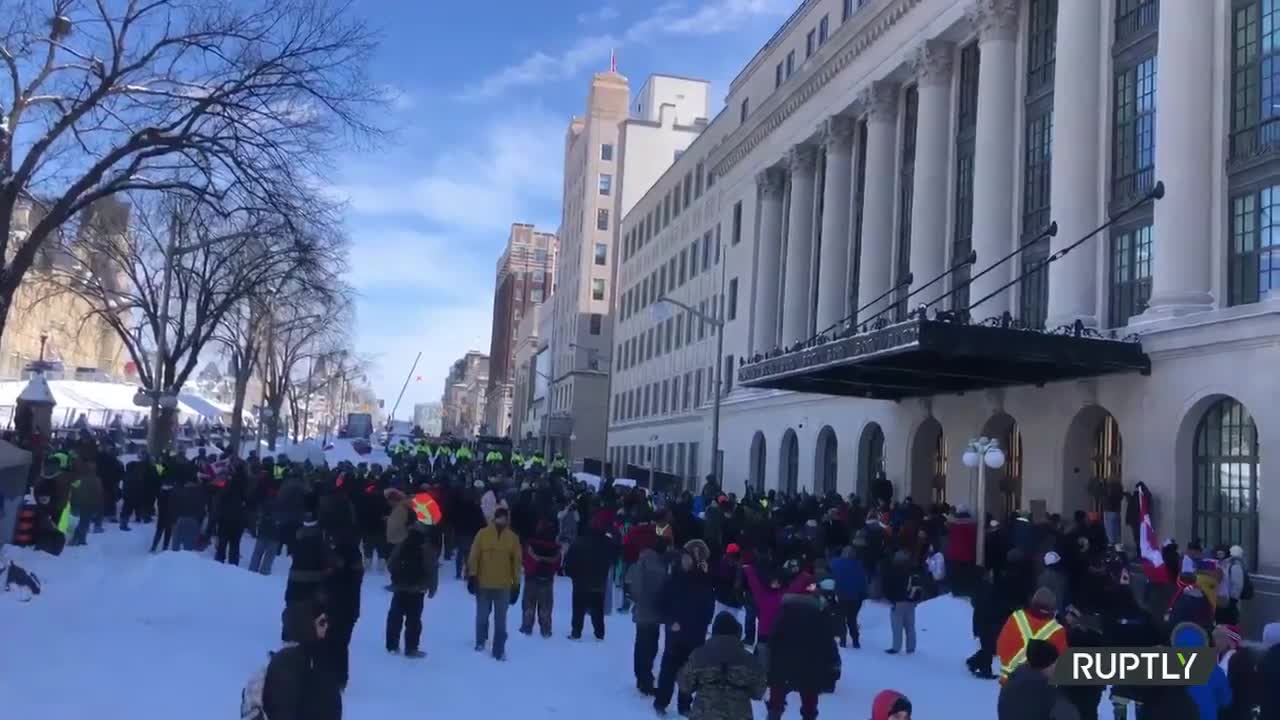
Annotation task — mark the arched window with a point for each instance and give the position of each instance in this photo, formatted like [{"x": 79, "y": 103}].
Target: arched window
[
  {"x": 789, "y": 463},
  {"x": 871, "y": 458},
  {"x": 1226, "y": 462},
  {"x": 1108, "y": 452},
  {"x": 828, "y": 461},
  {"x": 940, "y": 470}
]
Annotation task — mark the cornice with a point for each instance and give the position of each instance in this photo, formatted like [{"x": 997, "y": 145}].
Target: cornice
[{"x": 780, "y": 106}]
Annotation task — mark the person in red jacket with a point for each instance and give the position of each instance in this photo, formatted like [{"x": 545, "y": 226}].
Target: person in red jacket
[
  {"x": 642, "y": 536},
  {"x": 541, "y": 561},
  {"x": 962, "y": 551},
  {"x": 767, "y": 596}
]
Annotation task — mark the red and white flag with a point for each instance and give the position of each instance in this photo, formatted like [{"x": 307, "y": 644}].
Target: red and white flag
[{"x": 1149, "y": 545}]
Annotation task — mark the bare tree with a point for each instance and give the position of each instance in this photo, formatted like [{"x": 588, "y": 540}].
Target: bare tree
[
  {"x": 306, "y": 324},
  {"x": 180, "y": 272},
  {"x": 219, "y": 101},
  {"x": 240, "y": 334}
]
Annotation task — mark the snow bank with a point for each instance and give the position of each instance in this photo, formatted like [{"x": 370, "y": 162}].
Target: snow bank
[{"x": 119, "y": 633}]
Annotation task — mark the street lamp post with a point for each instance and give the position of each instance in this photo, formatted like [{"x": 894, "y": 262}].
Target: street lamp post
[
  {"x": 718, "y": 324},
  {"x": 983, "y": 453}
]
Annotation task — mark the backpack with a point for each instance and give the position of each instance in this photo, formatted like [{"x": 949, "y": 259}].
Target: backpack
[
  {"x": 1246, "y": 590},
  {"x": 251, "y": 696},
  {"x": 915, "y": 588}
]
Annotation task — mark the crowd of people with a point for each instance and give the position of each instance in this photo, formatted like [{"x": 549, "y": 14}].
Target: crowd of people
[{"x": 731, "y": 598}]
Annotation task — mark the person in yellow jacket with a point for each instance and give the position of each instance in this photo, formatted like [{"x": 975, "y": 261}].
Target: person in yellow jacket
[{"x": 493, "y": 576}]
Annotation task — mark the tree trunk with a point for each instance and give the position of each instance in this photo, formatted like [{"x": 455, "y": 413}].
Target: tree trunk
[
  {"x": 163, "y": 423},
  {"x": 237, "y": 413},
  {"x": 273, "y": 424}
]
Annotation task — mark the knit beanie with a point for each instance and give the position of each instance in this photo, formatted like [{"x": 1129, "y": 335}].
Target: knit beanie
[
  {"x": 887, "y": 703},
  {"x": 726, "y": 624},
  {"x": 1041, "y": 654}
]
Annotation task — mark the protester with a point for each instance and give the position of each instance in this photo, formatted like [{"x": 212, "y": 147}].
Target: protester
[
  {"x": 645, "y": 582},
  {"x": 803, "y": 657},
  {"x": 721, "y": 676},
  {"x": 298, "y": 684},
  {"x": 493, "y": 572},
  {"x": 414, "y": 568},
  {"x": 542, "y": 562},
  {"x": 687, "y": 603}
]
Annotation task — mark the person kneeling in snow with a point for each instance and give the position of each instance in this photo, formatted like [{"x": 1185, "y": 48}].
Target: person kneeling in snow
[{"x": 298, "y": 685}]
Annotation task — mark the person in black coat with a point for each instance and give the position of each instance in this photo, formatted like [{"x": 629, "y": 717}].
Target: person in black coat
[
  {"x": 587, "y": 563},
  {"x": 134, "y": 495},
  {"x": 343, "y": 580},
  {"x": 803, "y": 657},
  {"x": 988, "y": 619},
  {"x": 414, "y": 569},
  {"x": 231, "y": 506},
  {"x": 298, "y": 683},
  {"x": 110, "y": 472},
  {"x": 687, "y": 604},
  {"x": 468, "y": 519}
]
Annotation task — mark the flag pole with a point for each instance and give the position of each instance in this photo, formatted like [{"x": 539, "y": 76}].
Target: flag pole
[{"x": 405, "y": 386}]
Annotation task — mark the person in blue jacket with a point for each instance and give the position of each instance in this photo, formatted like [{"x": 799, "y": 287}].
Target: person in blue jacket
[
  {"x": 1214, "y": 695},
  {"x": 687, "y": 604},
  {"x": 851, "y": 590}
]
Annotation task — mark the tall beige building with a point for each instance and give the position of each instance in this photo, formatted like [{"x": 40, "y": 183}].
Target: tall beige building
[
  {"x": 613, "y": 155},
  {"x": 463, "y": 402},
  {"x": 80, "y": 344}
]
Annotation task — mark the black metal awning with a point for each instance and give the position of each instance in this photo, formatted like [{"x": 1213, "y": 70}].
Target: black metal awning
[{"x": 922, "y": 357}]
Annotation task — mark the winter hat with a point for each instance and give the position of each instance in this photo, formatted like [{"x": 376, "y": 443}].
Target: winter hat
[
  {"x": 1052, "y": 558},
  {"x": 732, "y": 549},
  {"x": 1044, "y": 600},
  {"x": 699, "y": 550},
  {"x": 1237, "y": 552},
  {"x": 812, "y": 523},
  {"x": 887, "y": 703},
  {"x": 726, "y": 624},
  {"x": 1041, "y": 654},
  {"x": 1226, "y": 637}
]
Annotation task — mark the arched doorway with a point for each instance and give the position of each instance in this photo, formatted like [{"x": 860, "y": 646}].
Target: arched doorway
[
  {"x": 826, "y": 461},
  {"x": 789, "y": 463},
  {"x": 1225, "y": 462},
  {"x": 870, "y": 458},
  {"x": 758, "y": 457},
  {"x": 1092, "y": 458},
  {"x": 929, "y": 463},
  {"x": 1004, "y": 486}
]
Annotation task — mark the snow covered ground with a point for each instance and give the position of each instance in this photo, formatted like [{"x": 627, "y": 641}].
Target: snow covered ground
[{"x": 119, "y": 633}]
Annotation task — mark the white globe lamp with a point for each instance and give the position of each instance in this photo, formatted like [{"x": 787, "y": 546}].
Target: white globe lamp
[{"x": 994, "y": 458}]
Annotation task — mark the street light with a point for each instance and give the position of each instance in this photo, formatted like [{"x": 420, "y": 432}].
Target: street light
[
  {"x": 656, "y": 310},
  {"x": 983, "y": 453}
]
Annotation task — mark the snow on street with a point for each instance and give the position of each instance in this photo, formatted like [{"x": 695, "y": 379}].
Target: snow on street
[{"x": 119, "y": 633}]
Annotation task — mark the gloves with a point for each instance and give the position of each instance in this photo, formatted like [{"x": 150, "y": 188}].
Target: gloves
[
  {"x": 471, "y": 584},
  {"x": 515, "y": 594}
]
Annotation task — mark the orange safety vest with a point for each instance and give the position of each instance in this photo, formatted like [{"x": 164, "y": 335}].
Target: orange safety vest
[{"x": 1019, "y": 630}]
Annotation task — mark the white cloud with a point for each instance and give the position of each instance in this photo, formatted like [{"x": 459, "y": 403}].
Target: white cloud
[
  {"x": 607, "y": 13},
  {"x": 711, "y": 17},
  {"x": 513, "y": 173},
  {"x": 442, "y": 333}
]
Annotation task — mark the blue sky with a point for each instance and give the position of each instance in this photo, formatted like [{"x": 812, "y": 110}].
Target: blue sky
[{"x": 480, "y": 102}]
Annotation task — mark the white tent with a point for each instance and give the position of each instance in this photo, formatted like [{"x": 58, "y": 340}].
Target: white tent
[{"x": 101, "y": 402}]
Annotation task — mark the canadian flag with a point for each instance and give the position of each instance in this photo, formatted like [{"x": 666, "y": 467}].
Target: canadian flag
[{"x": 1149, "y": 546}]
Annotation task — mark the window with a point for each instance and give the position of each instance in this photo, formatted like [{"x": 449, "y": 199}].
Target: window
[
  {"x": 810, "y": 43},
  {"x": 596, "y": 321},
  {"x": 717, "y": 250},
  {"x": 688, "y": 188},
  {"x": 1130, "y": 275},
  {"x": 535, "y": 295},
  {"x": 1033, "y": 291},
  {"x": 688, "y": 329},
  {"x": 1255, "y": 79},
  {"x": 1254, "y": 256},
  {"x": 966, "y": 135},
  {"x": 744, "y": 110},
  {"x": 662, "y": 281},
  {"x": 711, "y": 179},
  {"x": 697, "y": 387},
  {"x": 679, "y": 331},
  {"x": 777, "y": 75},
  {"x": 702, "y": 324},
  {"x": 606, "y": 152},
  {"x": 675, "y": 194},
  {"x": 1226, "y": 478},
  {"x": 597, "y": 289},
  {"x": 906, "y": 191},
  {"x": 684, "y": 260},
  {"x": 602, "y": 219},
  {"x": 666, "y": 210},
  {"x": 1134, "y": 17},
  {"x": 646, "y": 402},
  {"x": 733, "y": 299},
  {"x": 602, "y": 254},
  {"x": 670, "y": 329},
  {"x": 791, "y": 62},
  {"x": 684, "y": 397},
  {"x": 735, "y": 232},
  {"x": 1133, "y": 131},
  {"x": 824, "y": 28},
  {"x": 706, "y": 251},
  {"x": 665, "y": 397},
  {"x": 846, "y": 11},
  {"x": 693, "y": 259},
  {"x": 726, "y": 375},
  {"x": 606, "y": 184},
  {"x": 697, "y": 181}
]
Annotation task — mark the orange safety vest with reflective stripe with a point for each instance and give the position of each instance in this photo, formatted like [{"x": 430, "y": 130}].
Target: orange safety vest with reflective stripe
[{"x": 1021, "y": 628}]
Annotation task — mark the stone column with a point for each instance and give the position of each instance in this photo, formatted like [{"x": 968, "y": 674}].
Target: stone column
[
  {"x": 797, "y": 293},
  {"x": 875, "y": 271},
  {"x": 833, "y": 260},
  {"x": 1074, "y": 180},
  {"x": 1184, "y": 219},
  {"x": 932, "y": 65},
  {"x": 995, "y": 233},
  {"x": 770, "y": 183}
]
